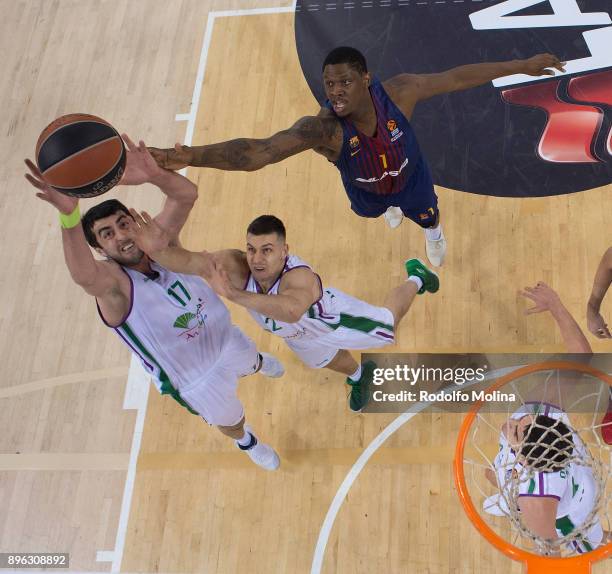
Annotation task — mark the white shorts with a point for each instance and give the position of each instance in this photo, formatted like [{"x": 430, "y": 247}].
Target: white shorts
[
  {"x": 215, "y": 397},
  {"x": 318, "y": 352}
]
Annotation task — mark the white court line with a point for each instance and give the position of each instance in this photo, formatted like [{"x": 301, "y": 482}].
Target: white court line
[
  {"x": 136, "y": 396},
  {"x": 210, "y": 23},
  {"x": 133, "y": 398},
  {"x": 349, "y": 479}
]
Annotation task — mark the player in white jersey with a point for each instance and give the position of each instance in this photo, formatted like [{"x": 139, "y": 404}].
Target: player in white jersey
[
  {"x": 545, "y": 463},
  {"x": 287, "y": 298},
  {"x": 175, "y": 323},
  {"x": 542, "y": 460}
]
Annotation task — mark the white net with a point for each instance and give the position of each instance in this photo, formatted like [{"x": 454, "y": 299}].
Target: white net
[{"x": 546, "y": 446}]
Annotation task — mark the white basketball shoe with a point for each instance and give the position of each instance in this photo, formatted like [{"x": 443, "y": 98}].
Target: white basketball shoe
[
  {"x": 436, "y": 249},
  {"x": 393, "y": 216},
  {"x": 260, "y": 453},
  {"x": 271, "y": 366}
]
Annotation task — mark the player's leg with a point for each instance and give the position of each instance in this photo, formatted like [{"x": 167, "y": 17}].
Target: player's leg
[
  {"x": 344, "y": 363},
  {"x": 420, "y": 280},
  {"x": 215, "y": 398},
  {"x": 269, "y": 366},
  {"x": 358, "y": 377},
  {"x": 419, "y": 203}
]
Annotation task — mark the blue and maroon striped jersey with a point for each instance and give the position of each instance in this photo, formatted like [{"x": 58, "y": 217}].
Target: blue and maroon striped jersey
[{"x": 381, "y": 164}]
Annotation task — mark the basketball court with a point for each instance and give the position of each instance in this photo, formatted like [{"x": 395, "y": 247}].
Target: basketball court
[{"x": 95, "y": 465}]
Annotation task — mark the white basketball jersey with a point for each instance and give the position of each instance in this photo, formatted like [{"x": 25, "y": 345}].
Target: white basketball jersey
[
  {"x": 176, "y": 325},
  {"x": 321, "y": 318},
  {"x": 573, "y": 486}
]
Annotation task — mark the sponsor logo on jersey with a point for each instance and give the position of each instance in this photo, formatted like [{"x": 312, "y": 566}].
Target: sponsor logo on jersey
[
  {"x": 392, "y": 173},
  {"x": 191, "y": 323},
  {"x": 396, "y": 133},
  {"x": 354, "y": 145}
]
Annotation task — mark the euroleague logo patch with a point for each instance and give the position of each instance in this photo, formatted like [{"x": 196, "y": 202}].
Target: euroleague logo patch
[
  {"x": 396, "y": 133},
  {"x": 516, "y": 136}
]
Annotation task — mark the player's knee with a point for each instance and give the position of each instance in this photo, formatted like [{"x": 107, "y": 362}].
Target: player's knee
[
  {"x": 232, "y": 428},
  {"x": 429, "y": 218}
]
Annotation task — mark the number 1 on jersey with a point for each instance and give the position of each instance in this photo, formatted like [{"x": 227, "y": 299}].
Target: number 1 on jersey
[{"x": 383, "y": 159}]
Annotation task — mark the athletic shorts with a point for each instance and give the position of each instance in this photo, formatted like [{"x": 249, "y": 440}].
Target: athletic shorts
[
  {"x": 418, "y": 200},
  {"x": 214, "y": 397},
  {"x": 360, "y": 332}
]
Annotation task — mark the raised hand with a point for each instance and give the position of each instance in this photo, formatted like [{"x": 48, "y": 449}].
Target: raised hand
[
  {"x": 140, "y": 166},
  {"x": 63, "y": 203},
  {"x": 543, "y": 296},
  {"x": 597, "y": 325},
  {"x": 219, "y": 280},
  {"x": 541, "y": 64},
  {"x": 150, "y": 236},
  {"x": 173, "y": 158}
]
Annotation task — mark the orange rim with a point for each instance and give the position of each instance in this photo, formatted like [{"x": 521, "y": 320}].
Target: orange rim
[{"x": 575, "y": 564}]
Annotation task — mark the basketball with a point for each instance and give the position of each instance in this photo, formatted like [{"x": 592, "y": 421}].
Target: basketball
[{"x": 81, "y": 155}]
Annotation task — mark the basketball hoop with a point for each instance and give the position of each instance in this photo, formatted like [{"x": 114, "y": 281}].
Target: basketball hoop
[{"x": 535, "y": 564}]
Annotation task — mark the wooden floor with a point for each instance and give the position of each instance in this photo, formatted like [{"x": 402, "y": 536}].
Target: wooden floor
[{"x": 198, "y": 504}]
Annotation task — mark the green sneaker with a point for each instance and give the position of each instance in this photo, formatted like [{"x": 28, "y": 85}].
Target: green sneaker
[
  {"x": 430, "y": 280},
  {"x": 360, "y": 390}
]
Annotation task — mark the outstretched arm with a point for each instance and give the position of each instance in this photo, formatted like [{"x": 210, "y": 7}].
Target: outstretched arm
[
  {"x": 546, "y": 299},
  {"x": 415, "y": 87},
  {"x": 156, "y": 242},
  {"x": 181, "y": 194},
  {"x": 299, "y": 290},
  {"x": 252, "y": 154},
  {"x": 601, "y": 283},
  {"x": 94, "y": 277}
]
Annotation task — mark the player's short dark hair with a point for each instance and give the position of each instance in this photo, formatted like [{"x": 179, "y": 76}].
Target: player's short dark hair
[
  {"x": 347, "y": 55},
  {"x": 265, "y": 224},
  {"x": 100, "y": 211},
  {"x": 547, "y": 444}
]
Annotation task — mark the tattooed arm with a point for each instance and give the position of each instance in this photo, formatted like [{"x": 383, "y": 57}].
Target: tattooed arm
[{"x": 252, "y": 154}]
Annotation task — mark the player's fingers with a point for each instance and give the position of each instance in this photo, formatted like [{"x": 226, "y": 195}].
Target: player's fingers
[
  {"x": 33, "y": 168},
  {"x": 141, "y": 146},
  {"x": 137, "y": 217},
  {"x": 532, "y": 310},
  {"x": 130, "y": 144},
  {"x": 148, "y": 219},
  {"x": 35, "y": 182},
  {"x": 43, "y": 197}
]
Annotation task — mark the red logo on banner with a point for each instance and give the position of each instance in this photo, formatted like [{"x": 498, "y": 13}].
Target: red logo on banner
[{"x": 572, "y": 128}]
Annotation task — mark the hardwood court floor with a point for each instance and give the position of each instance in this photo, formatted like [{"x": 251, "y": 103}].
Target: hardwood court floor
[
  {"x": 198, "y": 494},
  {"x": 198, "y": 505}
]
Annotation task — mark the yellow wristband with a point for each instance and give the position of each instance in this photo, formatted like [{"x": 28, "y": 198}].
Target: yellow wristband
[{"x": 72, "y": 219}]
